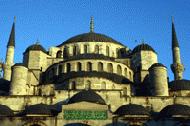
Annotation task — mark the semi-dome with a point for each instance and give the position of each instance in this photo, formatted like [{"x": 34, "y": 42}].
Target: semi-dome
[
  {"x": 90, "y": 37},
  {"x": 179, "y": 85},
  {"x": 88, "y": 96},
  {"x": 175, "y": 110},
  {"x": 144, "y": 47},
  {"x": 131, "y": 109},
  {"x": 36, "y": 47},
  {"x": 5, "y": 111},
  {"x": 41, "y": 109}
]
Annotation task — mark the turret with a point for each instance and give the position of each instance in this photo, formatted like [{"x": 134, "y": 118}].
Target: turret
[
  {"x": 9, "y": 54},
  {"x": 143, "y": 56},
  {"x": 177, "y": 67},
  {"x": 19, "y": 80},
  {"x": 158, "y": 80}
]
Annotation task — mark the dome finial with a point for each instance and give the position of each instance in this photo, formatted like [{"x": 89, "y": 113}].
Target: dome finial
[{"x": 91, "y": 24}]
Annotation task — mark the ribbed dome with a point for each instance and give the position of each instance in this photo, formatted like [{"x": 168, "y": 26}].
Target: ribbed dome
[
  {"x": 179, "y": 85},
  {"x": 5, "y": 111},
  {"x": 36, "y": 47},
  {"x": 144, "y": 47},
  {"x": 90, "y": 37},
  {"x": 131, "y": 109},
  {"x": 88, "y": 96},
  {"x": 176, "y": 109}
]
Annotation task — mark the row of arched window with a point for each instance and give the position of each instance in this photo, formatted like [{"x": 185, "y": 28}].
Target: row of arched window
[
  {"x": 76, "y": 51},
  {"x": 87, "y": 85},
  {"x": 100, "y": 67}
]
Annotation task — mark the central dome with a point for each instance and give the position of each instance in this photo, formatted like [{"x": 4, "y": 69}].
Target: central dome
[{"x": 90, "y": 37}]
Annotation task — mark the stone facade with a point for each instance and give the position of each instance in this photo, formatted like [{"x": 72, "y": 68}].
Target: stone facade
[{"x": 91, "y": 79}]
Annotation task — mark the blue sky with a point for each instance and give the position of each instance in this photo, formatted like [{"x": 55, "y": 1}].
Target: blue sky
[{"x": 127, "y": 21}]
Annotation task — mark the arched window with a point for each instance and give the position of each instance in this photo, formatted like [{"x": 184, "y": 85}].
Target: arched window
[
  {"x": 88, "y": 85},
  {"x": 103, "y": 86},
  {"x": 97, "y": 49},
  {"x": 89, "y": 66},
  {"x": 100, "y": 66},
  {"x": 107, "y": 51},
  {"x": 130, "y": 75},
  {"x": 119, "y": 71},
  {"x": 59, "y": 54},
  {"x": 75, "y": 50},
  {"x": 85, "y": 48},
  {"x": 125, "y": 70},
  {"x": 79, "y": 66},
  {"x": 68, "y": 67},
  {"x": 66, "y": 52},
  {"x": 110, "y": 68},
  {"x": 73, "y": 85},
  {"x": 60, "y": 69}
]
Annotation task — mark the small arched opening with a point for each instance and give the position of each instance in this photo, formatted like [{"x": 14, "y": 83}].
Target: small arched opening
[
  {"x": 68, "y": 67},
  {"x": 89, "y": 66},
  {"x": 79, "y": 66},
  {"x": 110, "y": 67},
  {"x": 119, "y": 71},
  {"x": 100, "y": 66},
  {"x": 59, "y": 54}
]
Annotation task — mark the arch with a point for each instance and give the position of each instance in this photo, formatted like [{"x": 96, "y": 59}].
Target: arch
[
  {"x": 107, "y": 51},
  {"x": 60, "y": 68},
  {"x": 85, "y": 48},
  {"x": 79, "y": 66},
  {"x": 73, "y": 85},
  {"x": 97, "y": 49},
  {"x": 103, "y": 85},
  {"x": 59, "y": 54},
  {"x": 88, "y": 84},
  {"x": 110, "y": 68},
  {"x": 75, "y": 50},
  {"x": 66, "y": 52},
  {"x": 125, "y": 71},
  {"x": 89, "y": 66},
  {"x": 119, "y": 70},
  {"x": 130, "y": 75},
  {"x": 34, "y": 123},
  {"x": 68, "y": 67},
  {"x": 100, "y": 66}
]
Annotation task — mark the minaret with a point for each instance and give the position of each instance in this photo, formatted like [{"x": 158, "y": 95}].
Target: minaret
[
  {"x": 91, "y": 24},
  {"x": 9, "y": 54},
  {"x": 177, "y": 67}
]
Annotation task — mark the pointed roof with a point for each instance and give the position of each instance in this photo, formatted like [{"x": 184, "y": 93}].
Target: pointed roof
[
  {"x": 174, "y": 36},
  {"x": 11, "y": 41}
]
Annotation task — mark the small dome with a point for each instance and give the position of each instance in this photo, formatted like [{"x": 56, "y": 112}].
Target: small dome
[
  {"x": 176, "y": 109},
  {"x": 179, "y": 85},
  {"x": 36, "y": 47},
  {"x": 131, "y": 109},
  {"x": 157, "y": 65},
  {"x": 144, "y": 47},
  {"x": 5, "y": 111},
  {"x": 41, "y": 109},
  {"x": 90, "y": 37},
  {"x": 88, "y": 96}
]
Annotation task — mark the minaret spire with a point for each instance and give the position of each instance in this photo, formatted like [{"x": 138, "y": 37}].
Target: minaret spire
[
  {"x": 9, "y": 62},
  {"x": 11, "y": 41},
  {"x": 177, "y": 67},
  {"x": 91, "y": 24}
]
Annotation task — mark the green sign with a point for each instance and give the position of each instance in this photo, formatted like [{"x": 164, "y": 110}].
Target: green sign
[{"x": 85, "y": 115}]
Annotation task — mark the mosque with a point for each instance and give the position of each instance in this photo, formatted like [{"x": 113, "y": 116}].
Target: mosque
[{"x": 92, "y": 80}]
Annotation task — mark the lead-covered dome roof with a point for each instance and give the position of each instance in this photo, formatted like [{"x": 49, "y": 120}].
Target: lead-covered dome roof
[
  {"x": 5, "y": 111},
  {"x": 144, "y": 47},
  {"x": 131, "y": 109},
  {"x": 36, "y": 47},
  {"x": 90, "y": 37},
  {"x": 176, "y": 109},
  {"x": 88, "y": 96},
  {"x": 179, "y": 85}
]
